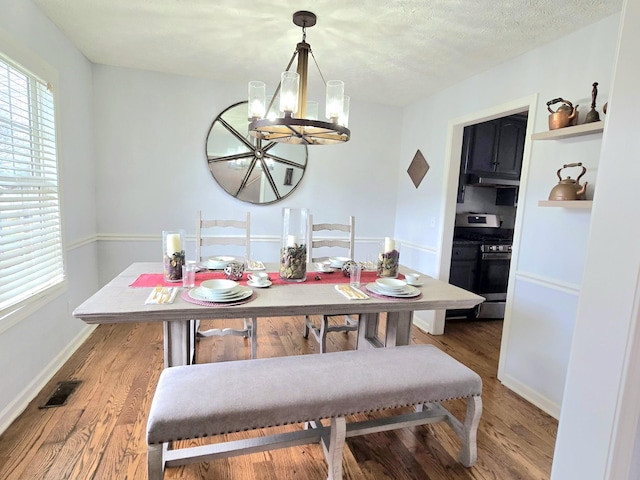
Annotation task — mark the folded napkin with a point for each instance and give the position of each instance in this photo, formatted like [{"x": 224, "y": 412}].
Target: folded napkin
[
  {"x": 255, "y": 265},
  {"x": 352, "y": 293},
  {"x": 161, "y": 295}
]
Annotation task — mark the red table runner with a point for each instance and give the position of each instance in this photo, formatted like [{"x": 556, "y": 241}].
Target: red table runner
[{"x": 154, "y": 279}]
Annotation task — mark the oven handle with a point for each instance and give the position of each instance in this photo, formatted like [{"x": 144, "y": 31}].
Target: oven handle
[{"x": 496, "y": 256}]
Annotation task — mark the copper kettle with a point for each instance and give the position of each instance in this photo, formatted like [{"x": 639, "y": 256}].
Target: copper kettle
[
  {"x": 569, "y": 189},
  {"x": 565, "y": 116}
]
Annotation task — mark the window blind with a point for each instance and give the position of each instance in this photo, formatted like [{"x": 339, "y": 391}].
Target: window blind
[{"x": 31, "y": 258}]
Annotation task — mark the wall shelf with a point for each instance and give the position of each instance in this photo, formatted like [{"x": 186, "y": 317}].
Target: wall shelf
[
  {"x": 566, "y": 203},
  {"x": 567, "y": 132}
]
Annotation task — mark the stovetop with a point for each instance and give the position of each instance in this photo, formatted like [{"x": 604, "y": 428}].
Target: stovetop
[{"x": 495, "y": 236}]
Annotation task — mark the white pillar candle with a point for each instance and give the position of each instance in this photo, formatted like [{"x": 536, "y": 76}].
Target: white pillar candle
[
  {"x": 173, "y": 243},
  {"x": 292, "y": 240},
  {"x": 389, "y": 244}
]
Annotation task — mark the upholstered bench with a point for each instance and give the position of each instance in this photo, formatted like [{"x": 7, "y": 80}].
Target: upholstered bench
[{"x": 218, "y": 398}]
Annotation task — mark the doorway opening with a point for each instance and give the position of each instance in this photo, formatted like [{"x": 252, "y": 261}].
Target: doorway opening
[{"x": 487, "y": 198}]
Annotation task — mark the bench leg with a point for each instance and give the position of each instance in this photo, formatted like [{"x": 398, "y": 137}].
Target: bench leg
[
  {"x": 469, "y": 450},
  {"x": 336, "y": 447},
  {"x": 155, "y": 462}
]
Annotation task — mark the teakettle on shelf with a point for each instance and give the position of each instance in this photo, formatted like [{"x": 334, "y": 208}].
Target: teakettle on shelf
[
  {"x": 569, "y": 189},
  {"x": 564, "y": 116}
]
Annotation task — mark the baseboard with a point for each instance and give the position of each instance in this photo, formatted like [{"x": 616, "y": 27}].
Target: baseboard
[
  {"x": 20, "y": 403},
  {"x": 530, "y": 395},
  {"x": 424, "y": 324}
]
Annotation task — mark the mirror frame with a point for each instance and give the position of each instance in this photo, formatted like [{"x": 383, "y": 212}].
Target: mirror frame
[{"x": 253, "y": 159}]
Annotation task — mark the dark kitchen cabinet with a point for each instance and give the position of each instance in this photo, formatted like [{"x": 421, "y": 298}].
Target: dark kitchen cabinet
[
  {"x": 464, "y": 265},
  {"x": 494, "y": 148},
  {"x": 463, "y": 273}
]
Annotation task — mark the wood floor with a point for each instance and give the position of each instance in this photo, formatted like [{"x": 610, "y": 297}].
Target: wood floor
[{"x": 100, "y": 433}]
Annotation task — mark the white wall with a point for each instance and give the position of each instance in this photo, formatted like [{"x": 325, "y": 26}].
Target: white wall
[
  {"x": 550, "y": 244},
  {"x": 152, "y": 173},
  {"x": 601, "y": 407},
  {"x": 34, "y": 345}
]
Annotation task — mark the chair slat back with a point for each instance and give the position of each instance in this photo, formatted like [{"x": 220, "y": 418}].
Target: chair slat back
[
  {"x": 214, "y": 232},
  {"x": 346, "y": 243}
]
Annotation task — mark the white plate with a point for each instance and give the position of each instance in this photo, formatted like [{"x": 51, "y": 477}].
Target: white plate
[
  {"x": 218, "y": 286},
  {"x": 217, "y": 263},
  {"x": 244, "y": 292},
  {"x": 391, "y": 284},
  {"x": 337, "y": 262},
  {"x": 410, "y": 292},
  {"x": 259, "y": 285},
  {"x": 325, "y": 270}
]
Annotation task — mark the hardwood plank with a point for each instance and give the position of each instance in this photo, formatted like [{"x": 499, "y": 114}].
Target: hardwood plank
[{"x": 101, "y": 432}]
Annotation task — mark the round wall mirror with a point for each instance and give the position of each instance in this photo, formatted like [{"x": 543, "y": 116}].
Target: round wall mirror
[{"x": 250, "y": 169}]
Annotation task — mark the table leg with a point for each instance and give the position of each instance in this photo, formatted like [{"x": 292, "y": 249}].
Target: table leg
[
  {"x": 179, "y": 344},
  {"x": 368, "y": 331},
  {"x": 398, "y": 329}
]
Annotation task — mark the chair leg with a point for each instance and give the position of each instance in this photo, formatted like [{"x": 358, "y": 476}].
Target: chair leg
[
  {"x": 305, "y": 333},
  {"x": 322, "y": 340}
]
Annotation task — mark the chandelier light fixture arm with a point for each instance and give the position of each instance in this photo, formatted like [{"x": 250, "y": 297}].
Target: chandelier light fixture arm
[{"x": 295, "y": 123}]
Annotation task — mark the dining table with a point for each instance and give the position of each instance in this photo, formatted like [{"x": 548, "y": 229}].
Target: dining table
[{"x": 123, "y": 300}]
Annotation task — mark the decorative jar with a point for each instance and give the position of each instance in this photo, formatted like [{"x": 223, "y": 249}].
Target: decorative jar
[
  {"x": 293, "y": 253},
  {"x": 234, "y": 271},
  {"x": 173, "y": 257}
]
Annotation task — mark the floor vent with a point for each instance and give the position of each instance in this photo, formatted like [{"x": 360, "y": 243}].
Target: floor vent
[{"x": 61, "y": 394}]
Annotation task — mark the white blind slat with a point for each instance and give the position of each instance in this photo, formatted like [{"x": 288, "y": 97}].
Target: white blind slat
[{"x": 31, "y": 257}]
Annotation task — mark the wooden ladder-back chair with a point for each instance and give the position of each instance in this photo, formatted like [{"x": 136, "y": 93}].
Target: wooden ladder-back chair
[
  {"x": 225, "y": 232},
  {"x": 346, "y": 242}
]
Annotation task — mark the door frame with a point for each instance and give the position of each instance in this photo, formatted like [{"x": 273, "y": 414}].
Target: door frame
[{"x": 448, "y": 214}]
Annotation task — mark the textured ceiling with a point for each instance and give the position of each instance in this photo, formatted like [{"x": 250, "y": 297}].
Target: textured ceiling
[{"x": 386, "y": 51}]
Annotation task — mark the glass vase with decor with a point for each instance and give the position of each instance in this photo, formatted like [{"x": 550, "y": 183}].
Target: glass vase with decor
[{"x": 293, "y": 253}]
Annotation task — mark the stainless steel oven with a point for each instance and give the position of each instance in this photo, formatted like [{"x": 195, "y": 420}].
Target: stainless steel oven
[
  {"x": 493, "y": 279},
  {"x": 487, "y": 272}
]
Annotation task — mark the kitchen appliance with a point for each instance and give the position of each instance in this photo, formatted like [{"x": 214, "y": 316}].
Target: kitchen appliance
[
  {"x": 569, "y": 189},
  {"x": 487, "y": 272}
]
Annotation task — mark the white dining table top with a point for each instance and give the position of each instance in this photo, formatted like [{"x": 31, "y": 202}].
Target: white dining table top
[{"x": 117, "y": 302}]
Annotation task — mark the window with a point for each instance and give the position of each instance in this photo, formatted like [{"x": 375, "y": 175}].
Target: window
[{"x": 31, "y": 258}]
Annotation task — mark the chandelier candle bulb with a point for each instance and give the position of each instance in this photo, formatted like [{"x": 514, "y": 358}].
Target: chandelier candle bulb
[
  {"x": 335, "y": 100},
  {"x": 257, "y": 97},
  {"x": 344, "y": 117},
  {"x": 290, "y": 85}
]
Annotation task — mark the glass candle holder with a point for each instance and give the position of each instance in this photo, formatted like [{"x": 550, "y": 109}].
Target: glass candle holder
[
  {"x": 173, "y": 257},
  {"x": 388, "y": 259},
  {"x": 293, "y": 253}
]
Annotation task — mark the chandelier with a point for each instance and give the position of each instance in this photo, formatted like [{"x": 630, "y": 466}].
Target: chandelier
[{"x": 296, "y": 120}]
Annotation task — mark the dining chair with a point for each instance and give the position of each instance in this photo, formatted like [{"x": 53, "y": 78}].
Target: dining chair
[
  {"x": 210, "y": 234},
  {"x": 317, "y": 252}
]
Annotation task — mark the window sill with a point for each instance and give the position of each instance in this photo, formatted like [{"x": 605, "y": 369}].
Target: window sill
[{"x": 14, "y": 314}]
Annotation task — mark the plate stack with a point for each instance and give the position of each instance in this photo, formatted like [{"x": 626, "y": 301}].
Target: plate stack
[
  {"x": 392, "y": 287},
  {"x": 217, "y": 263},
  {"x": 337, "y": 262},
  {"x": 220, "y": 291}
]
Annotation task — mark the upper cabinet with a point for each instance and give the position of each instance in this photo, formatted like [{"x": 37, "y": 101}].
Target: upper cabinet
[{"x": 494, "y": 148}]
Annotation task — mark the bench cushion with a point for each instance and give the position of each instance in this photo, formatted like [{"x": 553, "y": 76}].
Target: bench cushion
[{"x": 216, "y": 398}]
